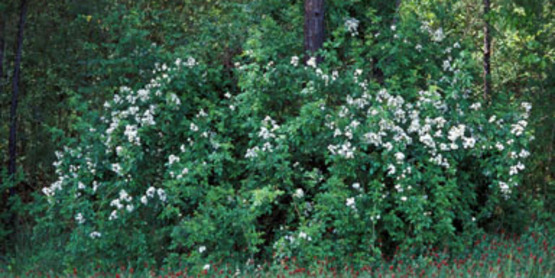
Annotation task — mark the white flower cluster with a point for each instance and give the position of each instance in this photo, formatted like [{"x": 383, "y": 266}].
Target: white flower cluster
[
  {"x": 505, "y": 189},
  {"x": 69, "y": 175},
  {"x": 95, "y": 234},
  {"x": 80, "y": 218},
  {"x": 351, "y": 24},
  {"x": 345, "y": 150},
  {"x": 135, "y": 110},
  {"x": 395, "y": 128},
  {"x": 151, "y": 192},
  {"x": 266, "y": 133},
  {"x": 123, "y": 201},
  {"x": 295, "y": 61},
  {"x": 299, "y": 193},
  {"x": 436, "y": 35},
  {"x": 350, "y": 202}
]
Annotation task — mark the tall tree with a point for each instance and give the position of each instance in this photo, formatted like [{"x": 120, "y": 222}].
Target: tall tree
[
  {"x": 2, "y": 28},
  {"x": 313, "y": 26},
  {"x": 487, "y": 50},
  {"x": 15, "y": 93}
]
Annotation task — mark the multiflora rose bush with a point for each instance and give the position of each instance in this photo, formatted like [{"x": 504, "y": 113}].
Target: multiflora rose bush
[{"x": 299, "y": 160}]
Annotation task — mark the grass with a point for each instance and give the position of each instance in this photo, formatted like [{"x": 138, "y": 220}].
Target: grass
[{"x": 491, "y": 256}]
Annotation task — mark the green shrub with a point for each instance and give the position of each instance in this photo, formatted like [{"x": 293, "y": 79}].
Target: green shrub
[{"x": 298, "y": 160}]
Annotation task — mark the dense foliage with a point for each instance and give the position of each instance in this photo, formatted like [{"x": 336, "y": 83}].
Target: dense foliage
[{"x": 207, "y": 135}]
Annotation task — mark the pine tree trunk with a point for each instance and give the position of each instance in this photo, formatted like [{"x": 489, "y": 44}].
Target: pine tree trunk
[
  {"x": 313, "y": 27},
  {"x": 487, "y": 51},
  {"x": 15, "y": 94},
  {"x": 2, "y": 28}
]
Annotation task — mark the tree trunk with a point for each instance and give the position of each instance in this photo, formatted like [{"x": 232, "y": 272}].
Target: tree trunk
[
  {"x": 487, "y": 50},
  {"x": 15, "y": 93},
  {"x": 2, "y": 28},
  {"x": 313, "y": 27}
]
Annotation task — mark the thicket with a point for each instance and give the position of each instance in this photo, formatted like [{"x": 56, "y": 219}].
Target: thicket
[{"x": 201, "y": 131}]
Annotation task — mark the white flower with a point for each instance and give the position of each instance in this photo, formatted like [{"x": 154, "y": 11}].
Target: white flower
[
  {"x": 265, "y": 133},
  {"x": 419, "y": 47},
  {"x": 352, "y": 25},
  {"x": 191, "y": 62},
  {"x": 350, "y": 202},
  {"x": 131, "y": 133},
  {"x": 456, "y": 132},
  {"x": 124, "y": 196},
  {"x": 311, "y": 62},
  {"x": 201, "y": 113},
  {"x": 303, "y": 235},
  {"x": 161, "y": 194},
  {"x": 492, "y": 119},
  {"x": 428, "y": 140},
  {"x": 193, "y": 127},
  {"x": 47, "y": 191},
  {"x": 202, "y": 249},
  {"x": 175, "y": 99},
  {"x": 404, "y": 198},
  {"x": 373, "y": 138},
  {"x": 527, "y": 106},
  {"x": 337, "y": 132},
  {"x": 144, "y": 200},
  {"x": 475, "y": 106},
  {"x": 79, "y": 218},
  {"x": 119, "y": 149},
  {"x": 172, "y": 159},
  {"x": 116, "y": 203},
  {"x": 356, "y": 185},
  {"x": 129, "y": 207},
  {"x": 252, "y": 153},
  {"x": 388, "y": 146},
  {"x": 391, "y": 169},
  {"x": 116, "y": 168},
  {"x": 299, "y": 193},
  {"x": 399, "y": 156},
  {"x": 505, "y": 189},
  {"x": 518, "y": 128},
  {"x": 81, "y": 185},
  {"x": 295, "y": 61},
  {"x": 438, "y": 35},
  {"x": 473, "y": 219},
  {"x": 113, "y": 215},
  {"x": 468, "y": 142},
  {"x": 150, "y": 192},
  {"x": 206, "y": 267},
  {"x": 393, "y": 27},
  {"x": 95, "y": 234}
]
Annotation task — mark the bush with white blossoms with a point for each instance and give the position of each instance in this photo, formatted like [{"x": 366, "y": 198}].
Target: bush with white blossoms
[{"x": 298, "y": 160}]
